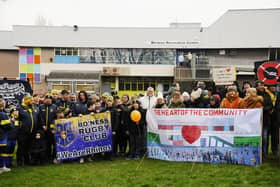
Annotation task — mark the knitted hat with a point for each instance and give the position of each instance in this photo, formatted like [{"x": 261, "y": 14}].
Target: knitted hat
[
  {"x": 110, "y": 98},
  {"x": 258, "y": 83},
  {"x": 186, "y": 94},
  {"x": 48, "y": 96},
  {"x": 232, "y": 88}
]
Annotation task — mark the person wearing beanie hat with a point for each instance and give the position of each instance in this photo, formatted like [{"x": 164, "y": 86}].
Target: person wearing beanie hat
[
  {"x": 186, "y": 99},
  {"x": 104, "y": 97},
  {"x": 232, "y": 99},
  {"x": 29, "y": 120},
  {"x": 47, "y": 116},
  {"x": 94, "y": 98},
  {"x": 160, "y": 101},
  {"x": 176, "y": 101},
  {"x": 214, "y": 101}
]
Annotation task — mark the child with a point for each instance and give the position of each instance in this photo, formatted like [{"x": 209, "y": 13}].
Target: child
[
  {"x": 136, "y": 132},
  {"x": 38, "y": 150}
]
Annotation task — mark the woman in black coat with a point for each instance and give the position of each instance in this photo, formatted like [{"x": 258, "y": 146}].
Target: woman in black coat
[{"x": 136, "y": 131}]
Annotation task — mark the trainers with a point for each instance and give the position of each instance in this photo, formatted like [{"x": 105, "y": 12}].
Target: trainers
[
  {"x": 5, "y": 169},
  {"x": 129, "y": 157},
  {"x": 82, "y": 160},
  {"x": 55, "y": 161},
  {"x": 136, "y": 157}
]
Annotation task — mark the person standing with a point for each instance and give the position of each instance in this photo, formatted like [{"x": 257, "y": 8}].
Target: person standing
[
  {"x": 267, "y": 111},
  {"x": 252, "y": 100},
  {"x": 115, "y": 126},
  {"x": 136, "y": 131},
  {"x": 124, "y": 138},
  {"x": 64, "y": 102},
  {"x": 28, "y": 118},
  {"x": 271, "y": 90},
  {"x": 47, "y": 116},
  {"x": 5, "y": 126},
  {"x": 149, "y": 100},
  {"x": 80, "y": 107},
  {"x": 232, "y": 99}
]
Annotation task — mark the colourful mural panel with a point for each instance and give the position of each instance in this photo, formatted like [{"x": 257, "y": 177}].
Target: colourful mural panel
[{"x": 29, "y": 64}]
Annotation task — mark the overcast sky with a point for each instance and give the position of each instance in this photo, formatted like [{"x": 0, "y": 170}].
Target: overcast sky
[{"x": 121, "y": 13}]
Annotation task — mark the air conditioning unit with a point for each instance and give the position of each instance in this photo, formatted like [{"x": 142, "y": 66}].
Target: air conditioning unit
[{"x": 222, "y": 52}]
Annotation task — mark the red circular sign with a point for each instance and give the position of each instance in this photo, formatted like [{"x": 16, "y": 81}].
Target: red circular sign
[{"x": 269, "y": 72}]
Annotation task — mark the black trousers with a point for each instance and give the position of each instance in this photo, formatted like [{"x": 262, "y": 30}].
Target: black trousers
[
  {"x": 51, "y": 148},
  {"x": 23, "y": 151},
  {"x": 122, "y": 140},
  {"x": 135, "y": 144}
]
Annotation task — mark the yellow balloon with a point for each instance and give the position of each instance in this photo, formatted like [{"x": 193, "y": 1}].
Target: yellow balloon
[{"x": 135, "y": 116}]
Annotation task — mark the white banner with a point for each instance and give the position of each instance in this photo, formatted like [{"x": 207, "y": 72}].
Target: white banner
[{"x": 205, "y": 135}]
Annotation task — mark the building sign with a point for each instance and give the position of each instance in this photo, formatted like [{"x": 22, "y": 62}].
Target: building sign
[
  {"x": 224, "y": 76},
  {"x": 269, "y": 72},
  {"x": 111, "y": 71}
]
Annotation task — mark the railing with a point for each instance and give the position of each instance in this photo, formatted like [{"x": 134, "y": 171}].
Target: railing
[{"x": 198, "y": 69}]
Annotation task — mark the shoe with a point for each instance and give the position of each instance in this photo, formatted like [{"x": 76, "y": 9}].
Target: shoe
[
  {"x": 129, "y": 157},
  {"x": 136, "y": 157},
  {"x": 55, "y": 161},
  {"x": 89, "y": 159},
  {"x": 5, "y": 169},
  {"x": 82, "y": 160}
]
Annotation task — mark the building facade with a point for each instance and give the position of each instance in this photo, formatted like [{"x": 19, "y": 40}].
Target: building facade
[{"x": 129, "y": 60}]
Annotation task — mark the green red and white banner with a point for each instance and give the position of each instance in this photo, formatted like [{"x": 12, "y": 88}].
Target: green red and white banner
[{"x": 230, "y": 136}]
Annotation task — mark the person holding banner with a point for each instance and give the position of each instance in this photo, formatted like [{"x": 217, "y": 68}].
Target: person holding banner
[
  {"x": 232, "y": 99},
  {"x": 115, "y": 117},
  {"x": 136, "y": 130}
]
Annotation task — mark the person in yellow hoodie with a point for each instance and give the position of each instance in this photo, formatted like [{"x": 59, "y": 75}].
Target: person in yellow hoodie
[{"x": 271, "y": 90}]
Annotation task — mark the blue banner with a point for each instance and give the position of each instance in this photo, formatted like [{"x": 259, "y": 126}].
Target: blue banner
[{"x": 81, "y": 136}]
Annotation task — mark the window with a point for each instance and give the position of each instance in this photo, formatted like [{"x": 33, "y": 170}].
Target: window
[
  {"x": 69, "y": 52},
  {"x": 57, "y": 51},
  {"x": 127, "y": 86},
  {"x": 121, "y": 85},
  {"x": 134, "y": 86},
  {"x": 85, "y": 87},
  {"x": 61, "y": 87},
  {"x": 66, "y": 51}
]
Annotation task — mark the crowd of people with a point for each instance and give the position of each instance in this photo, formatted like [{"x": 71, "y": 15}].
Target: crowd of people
[{"x": 31, "y": 126}]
